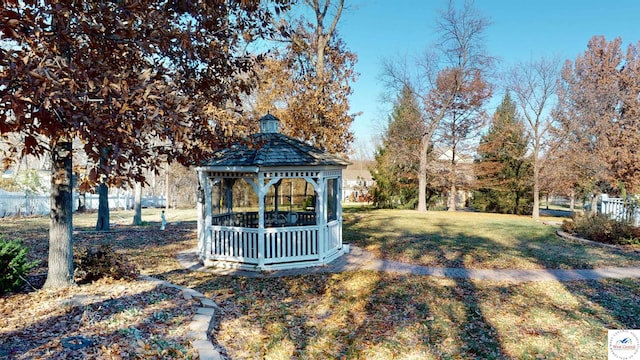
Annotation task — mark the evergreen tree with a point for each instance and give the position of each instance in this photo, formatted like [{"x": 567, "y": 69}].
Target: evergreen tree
[
  {"x": 503, "y": 167},
  {"x": 398, "y": 158}
]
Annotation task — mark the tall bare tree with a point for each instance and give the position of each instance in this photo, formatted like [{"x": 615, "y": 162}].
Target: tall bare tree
[
  {"x": 534, "y": 85},
  {"x": 444, "y": 74}
]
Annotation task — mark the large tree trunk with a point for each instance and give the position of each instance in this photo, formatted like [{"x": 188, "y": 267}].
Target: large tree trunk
[
  {"x": 82, "y": 202},
  {"x": 572, "y": 204},
  {"x": 594, "y": 204},
  {"x": 103, "y": 208},
  {"x": 546, "y": 196},
  {"x": 452, "y": 197},
  {"x": 536, "y": 188},
  {"x": 453, "y": 190},
  {"x": 60, "y": 267},
  {"x": 137, "y": 204},
  {"x": 422, "y": 173}
]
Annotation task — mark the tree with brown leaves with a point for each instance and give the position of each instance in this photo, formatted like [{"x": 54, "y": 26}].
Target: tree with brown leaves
[
  {"x": 598, "y": 115},
  {"x": 463, "y": 121},
  {"x": 307, "y": 84},
  {"x": 138, "y": 83}
]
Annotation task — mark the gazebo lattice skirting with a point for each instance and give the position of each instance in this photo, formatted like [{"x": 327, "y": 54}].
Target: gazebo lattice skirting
[{"x": 261, "y": 239}]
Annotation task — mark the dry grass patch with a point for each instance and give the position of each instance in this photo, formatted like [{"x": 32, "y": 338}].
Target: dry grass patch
[
  {"x": 371, "y": 315},
  {"x": 118, "y": 319},
  {"x": 121, "y": 319}
]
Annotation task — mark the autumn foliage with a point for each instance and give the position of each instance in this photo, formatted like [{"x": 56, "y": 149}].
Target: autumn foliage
[
  {"x": 307, "y": 83},
  {"x": 137, "y": 83},
  {"x": 598, "y": 114}
]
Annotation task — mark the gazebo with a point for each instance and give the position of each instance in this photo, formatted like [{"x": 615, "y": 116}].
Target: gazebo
[{"x": 252, "y": 213}]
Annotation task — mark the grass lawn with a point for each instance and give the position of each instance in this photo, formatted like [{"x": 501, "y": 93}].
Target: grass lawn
[
  {"x": 352, "y": 315},
  {"x": 473, "y": 240}
]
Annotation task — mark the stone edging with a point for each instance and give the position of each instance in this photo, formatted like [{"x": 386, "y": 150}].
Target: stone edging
[
  {"x": 566, "y": 235},
  {"x": 201, "y": 323}
]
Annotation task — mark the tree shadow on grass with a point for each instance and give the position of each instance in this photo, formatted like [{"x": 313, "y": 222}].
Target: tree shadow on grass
[
  {"x": 361, "y": 314},
  {"x": 122, "y": 326},
  {"x": 380, "y": 315},
  {"x": 618, "y": 299},
  {"x": 522, "y": 244}
]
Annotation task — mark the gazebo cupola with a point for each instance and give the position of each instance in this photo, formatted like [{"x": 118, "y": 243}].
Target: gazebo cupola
[
  {"x": 269, "y": 124},
  {"x": 270, "y": 203}
]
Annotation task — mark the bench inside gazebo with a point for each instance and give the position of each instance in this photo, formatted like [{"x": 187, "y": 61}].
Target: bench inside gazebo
[{"x": 272, "y": 204}]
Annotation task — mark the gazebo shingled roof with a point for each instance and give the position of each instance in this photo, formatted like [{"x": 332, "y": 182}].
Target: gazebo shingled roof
[{"x": 274, "y": 150}]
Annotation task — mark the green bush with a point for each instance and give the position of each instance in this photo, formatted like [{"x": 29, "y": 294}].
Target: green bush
[
  {"x": 14, "y": 266},
  {"x": 502, "y": 202},
  {"x": 603, "y": 229},
  {"x": 95, "y": 263}
]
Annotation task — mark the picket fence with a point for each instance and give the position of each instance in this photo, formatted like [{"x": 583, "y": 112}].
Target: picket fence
[
  {"x": 620, "y": 209},
  {"x": 25, "y": 204}
]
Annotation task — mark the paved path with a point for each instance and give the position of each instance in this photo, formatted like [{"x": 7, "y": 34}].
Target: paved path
[{"x": 359, "y": 259}]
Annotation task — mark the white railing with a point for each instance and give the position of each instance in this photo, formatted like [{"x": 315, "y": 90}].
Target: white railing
[
  {"x": 234, "y": 244},
  {"x": 290, "y": 244},
  {"x": 24, "y": 204},
  {"x": 620, "y": 209},
  {"x": 281, "y": 245}
]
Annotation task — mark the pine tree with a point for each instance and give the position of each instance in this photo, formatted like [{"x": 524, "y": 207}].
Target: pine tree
[
  {"x": 398, "y": 158},
  {"x": 503, "y": 167}
]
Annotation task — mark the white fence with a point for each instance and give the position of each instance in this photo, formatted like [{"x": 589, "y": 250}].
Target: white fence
[
  {"x": 620, "y": 209},
  {"x": 24, "y": 204}
]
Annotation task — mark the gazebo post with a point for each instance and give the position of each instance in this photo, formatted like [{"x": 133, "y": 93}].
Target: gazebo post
[
  {"x": 207, "y": 216},
  {"x": 339, "y": 208},
  {"x": 201, "y": 216},
  {"x": 321, "y": 212},
  {"x": 261, "y": 192}
]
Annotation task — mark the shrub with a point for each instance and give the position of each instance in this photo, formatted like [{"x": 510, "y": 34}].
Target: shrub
[
  {"x": 603, "y": 229},
  {"x": 14, "y": 266},
  {"x": 568, "y": 225},
  {"x": 95, "y": 263}
]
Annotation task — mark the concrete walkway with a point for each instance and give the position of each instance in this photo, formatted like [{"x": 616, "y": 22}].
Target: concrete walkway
[{"x": 359, "y": 259}]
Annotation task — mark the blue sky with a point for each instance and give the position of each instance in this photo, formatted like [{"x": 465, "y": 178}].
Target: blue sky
[{"x": 520, "y": 31}]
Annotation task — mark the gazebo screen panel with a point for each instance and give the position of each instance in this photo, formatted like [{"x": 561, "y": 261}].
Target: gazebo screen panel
[
  {"x": 295, "y": 201},
  {"x": 333, "y": 199}
]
